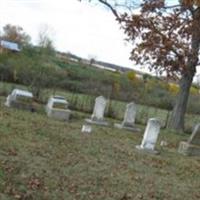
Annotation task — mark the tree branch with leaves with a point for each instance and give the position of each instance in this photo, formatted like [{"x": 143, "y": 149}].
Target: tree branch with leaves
[{"x": 165, "y": 38}]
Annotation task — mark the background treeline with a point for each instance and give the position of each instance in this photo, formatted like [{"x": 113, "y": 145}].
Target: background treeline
[{"x": 40, "y": 67}]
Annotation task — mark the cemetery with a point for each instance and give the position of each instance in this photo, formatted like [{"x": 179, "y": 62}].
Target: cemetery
[
  {"x": 57, "y": 108},
  {"x": 77, "y": 128},
  {"x": 77, "y": 148},
  {"x": 67, "y": 158}
]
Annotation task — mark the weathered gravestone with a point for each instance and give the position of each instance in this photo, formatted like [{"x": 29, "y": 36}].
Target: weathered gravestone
[
  {"x": 192, "y": 146},
  {"x": 57, "y": 108},
  {"x": 98, "y": 112},
  {"x": 150, "y": 136},
  {"x": 21, "y": 99},
  {"x": 129, "y": 118}
]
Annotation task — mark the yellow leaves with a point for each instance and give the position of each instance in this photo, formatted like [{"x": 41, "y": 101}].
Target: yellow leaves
[
  {"x": 134, "y": 78},
  {"x": 131, "y": 75},
  {"x": 173, "y": 88},
  {"x": 194, "y": 91}
]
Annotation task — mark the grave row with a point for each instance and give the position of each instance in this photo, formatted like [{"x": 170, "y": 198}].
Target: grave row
[{"x": 57, "y": 107}]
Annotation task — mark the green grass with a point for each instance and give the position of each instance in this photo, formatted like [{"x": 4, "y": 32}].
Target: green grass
[{"x": 45, "y": 159}]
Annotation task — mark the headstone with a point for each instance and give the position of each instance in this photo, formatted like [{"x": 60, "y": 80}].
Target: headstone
[
  {"x": 150, "y": 136},
  {"x": 129, "y": 118},
  {"x": 98, "y": 112},
  {"x": 86, "y": 129},
  {"x": 192, "y": 146},
  {"x": 57, "y": 108},
  {"x": 130, "y": 114},
  {"x": 21, "y": 99}
]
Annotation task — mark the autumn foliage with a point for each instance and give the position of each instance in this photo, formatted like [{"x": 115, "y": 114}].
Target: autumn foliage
[
  {"x": 162, "y": 35},
  {"x": 191, "y": 2}
]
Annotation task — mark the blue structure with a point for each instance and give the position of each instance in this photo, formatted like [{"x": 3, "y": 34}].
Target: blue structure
[{"x": 12, "y": 46}]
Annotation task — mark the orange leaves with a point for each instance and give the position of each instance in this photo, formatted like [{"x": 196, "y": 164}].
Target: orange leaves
[
  {"x": 162, "y": 35},
  {"x": 151, "y": 6},
  {"x": 34, "y": 183},
  {"x": 191, "y": 2}
]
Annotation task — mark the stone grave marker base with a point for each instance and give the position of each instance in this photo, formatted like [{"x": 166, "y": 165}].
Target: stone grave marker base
[
  {"x": 188, "y": 149},
  {"x": 144, "y": 150},
  {"x": 21, "y": 106},
  {"x": 62, "y": 115},
  {"x": 129, "y": 128},
  {"x": 96, "y": 122}
]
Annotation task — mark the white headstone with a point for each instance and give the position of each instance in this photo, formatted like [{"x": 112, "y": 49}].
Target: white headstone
[
  {"x": 86, "y": 129},
  {"x": 99, "y": 108},
  {"x": 57, "y": 108},
  {"x": 98, "y": 112},
  {"x": 20, "y": 99},
  {"x": 130, "y": 114},
  {"x": 150, "y": 135},
  {"x": 129, "y": 119}
]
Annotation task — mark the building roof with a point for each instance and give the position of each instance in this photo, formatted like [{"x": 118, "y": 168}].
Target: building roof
[{"x": 9, "y": 45}]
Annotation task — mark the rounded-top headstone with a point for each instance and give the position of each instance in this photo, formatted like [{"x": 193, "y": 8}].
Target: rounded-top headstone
[
  {"x": 130, "y": 114},
  {"x": 99, "y": 108},
  {"x": 151, "y": 134}
]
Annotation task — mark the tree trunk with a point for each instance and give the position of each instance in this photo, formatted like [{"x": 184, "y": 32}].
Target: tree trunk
[
  {"x": 178, "y": 113},
  {"x": 177, "y": 118}
]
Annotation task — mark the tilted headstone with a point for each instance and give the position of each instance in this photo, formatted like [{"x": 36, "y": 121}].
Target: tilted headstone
[
  {"x": 150, "y": 136},
  {"x": 129, "y": 118},
  {"x": 98, "y": 112},
  {"x": 195, "y": 137},
  {"x": 192, "y": 146}
]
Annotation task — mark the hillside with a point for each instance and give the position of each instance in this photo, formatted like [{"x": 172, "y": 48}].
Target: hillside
[
  {"x": 45, "y": 159},
  {"x": 101, "y": 64},
  {"x": 41, "y": 68}
]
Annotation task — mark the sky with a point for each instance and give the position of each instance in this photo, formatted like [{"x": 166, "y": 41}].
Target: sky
[{"x": 82, "y": 28}]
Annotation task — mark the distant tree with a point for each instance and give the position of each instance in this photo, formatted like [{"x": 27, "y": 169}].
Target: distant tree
[
  {"x": 15, "y": 34},
  {"x": 36, "y": 71},
  {"x": 92, "y": 59},
  {"x": 166, "y": 38},
  {"x": 44, "y": 40}
]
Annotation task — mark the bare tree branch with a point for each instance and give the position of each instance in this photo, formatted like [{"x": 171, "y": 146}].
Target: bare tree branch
[{"x": 111, "y": 8}]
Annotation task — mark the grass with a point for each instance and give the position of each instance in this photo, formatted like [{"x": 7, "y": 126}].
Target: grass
[{"x": 45, "y": 159}]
